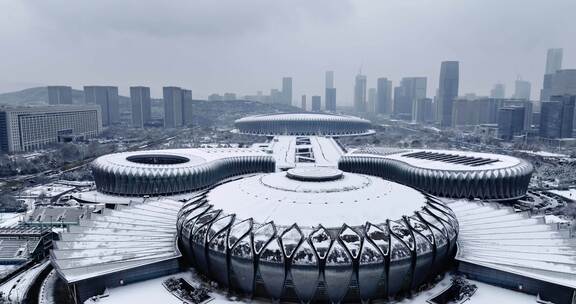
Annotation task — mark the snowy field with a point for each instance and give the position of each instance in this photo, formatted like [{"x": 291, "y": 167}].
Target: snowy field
[
  {"x": 568, "y": 194},
  {"x": 10, "y": 219},
  {"x": 15, "y": 289},
  {"x": 152, "y": 291}
]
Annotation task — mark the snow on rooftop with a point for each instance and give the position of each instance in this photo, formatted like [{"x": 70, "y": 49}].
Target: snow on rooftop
[
  {"x": 497, "y": 237},
  {"x": 353, "y": 199},
  {"x": 445, "y": 159},
  {"x": 325, "y": 150},
  {"x": 135, "y": 235},
  {"x": 170, "y": 159},
  {"x": 302, "y": 116}
]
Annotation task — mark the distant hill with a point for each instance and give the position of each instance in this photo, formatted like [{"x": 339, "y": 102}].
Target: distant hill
[
  {"x": 205, "y": 113},
  {"x": 31, "y": 96},
  {"x": 39, "y": 95},
  {"x": 223, "y": 113}
]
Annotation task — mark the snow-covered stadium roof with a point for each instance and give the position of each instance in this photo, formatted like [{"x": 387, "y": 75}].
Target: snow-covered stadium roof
[
  {"x": 444, "y": 160},
  {"x": 444, "y": 173},
  {"x": 133, "y": 236},
  {"x": 249, "y": 233},
  {"x": 303, "y": 124},
  {"x": 169, "y": 172},
  {"x": 497, "y": 237},
  {"x": 343, "y": 198}
]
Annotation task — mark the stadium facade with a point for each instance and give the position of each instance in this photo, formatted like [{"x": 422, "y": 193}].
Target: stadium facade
[
  {"x": 303, "y": 124},
  {"x": 299, "y": 236},
  {"x": 170, "y": 172},
  {"x": 452, "y": 174}
]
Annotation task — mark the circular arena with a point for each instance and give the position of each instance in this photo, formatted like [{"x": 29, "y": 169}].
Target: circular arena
[
  {"x": 303, "y": 124},
  {"x": 170, "y": 172},
  {"x": 317, "y": 235},
  {"x": 454, "y": 174}
]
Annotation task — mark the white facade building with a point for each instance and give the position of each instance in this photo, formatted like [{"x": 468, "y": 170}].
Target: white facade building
[{"x": 28, "y": 128}]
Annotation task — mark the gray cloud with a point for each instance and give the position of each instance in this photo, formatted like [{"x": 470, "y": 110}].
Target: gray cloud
[{"x": 244, "y": 46}]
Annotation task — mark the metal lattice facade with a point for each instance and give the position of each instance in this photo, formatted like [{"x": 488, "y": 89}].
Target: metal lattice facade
[
  {"x": 305, "y": 264},
  {"x": 169, "y": 180},
  {"x": 303, "y": 124},
  {"x": 491, "y": 184}
]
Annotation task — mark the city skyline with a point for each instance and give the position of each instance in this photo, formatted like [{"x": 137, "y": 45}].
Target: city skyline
[{"x": 259, "y": 70}]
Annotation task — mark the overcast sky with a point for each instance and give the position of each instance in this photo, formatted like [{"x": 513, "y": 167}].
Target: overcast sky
[{"x": 243, "y": 46}]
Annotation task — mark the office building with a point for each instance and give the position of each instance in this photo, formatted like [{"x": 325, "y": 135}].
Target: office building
[
  {"x": 557, "y": 117},
  {"x": 360, "y": 93},
  {"x": 553, "y": 60},
  {"x": 107, "y": 98},
  {"x": 448, "y": 91},
  {"x": 522, "y": 103},
  {"x": 59, "y": 95},
  {"x": 187, "y": 107},
  {"x": 330, "y": 99},
  {"x": 510, "y": 122},
  {"x": 371, "y": 106},
  {"x": 422, "y": 110},
  {"x": 498, "y": 91},
  {"x": 229, "y": 96},
  {"x": 24, "y": 129},
  {"x": 215, "y": 97},
  {"x": 141, "y": 106},
  {"x": 484, "y": 111},
  {"x": 553, "y": 65},
  {"x": 329, "y": 80},
  {"x": 172, "y": 107},
  {"x": 384, "y": 96},
  {"x": 563, "y": 82},
  {"x": 316, "y": 103},
  {"x": 287, "y": 90},
  {"x": 410, "y": 89},
  {"x": 304, "y": 104},
  {"x": 276, "y": 96},
  {"x": 522, "y": 89}
]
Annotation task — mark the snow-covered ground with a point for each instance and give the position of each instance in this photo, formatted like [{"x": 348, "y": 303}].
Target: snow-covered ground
[
  {"x": 15, "y": 289},
  {"x": 568, "y": 194},
  {"x": 49, "y": 190},
  {"x": 10, "y": 219},
  {"x": 152, "y": 291}
]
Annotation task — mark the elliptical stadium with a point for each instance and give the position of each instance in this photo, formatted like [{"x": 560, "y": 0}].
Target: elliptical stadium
[{"x": 301, "y": 218}]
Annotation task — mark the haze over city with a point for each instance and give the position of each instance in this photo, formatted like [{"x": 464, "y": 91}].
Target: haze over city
[
  {"x": 247, "y": 46},
  {"x": 275, "y": 151}
]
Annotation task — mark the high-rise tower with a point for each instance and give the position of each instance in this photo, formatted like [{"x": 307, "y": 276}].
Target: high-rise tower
[{"x": 448, "y": 91}]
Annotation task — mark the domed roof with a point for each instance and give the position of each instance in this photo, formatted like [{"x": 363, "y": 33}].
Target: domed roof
[{"x": 316, "y": 196}]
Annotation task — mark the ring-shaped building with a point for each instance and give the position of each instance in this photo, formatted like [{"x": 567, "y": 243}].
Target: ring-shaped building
[
  {"x": 299, "y": 124},
  {"x": 443, "y": 173},
  {"x": 169, "y": 172}
]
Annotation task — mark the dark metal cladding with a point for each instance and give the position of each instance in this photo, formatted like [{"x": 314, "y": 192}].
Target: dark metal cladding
[
  {"x": 271, "y": 266},
  {"x": 337, "y": 272},
  {"x": 305, "y": 271}
]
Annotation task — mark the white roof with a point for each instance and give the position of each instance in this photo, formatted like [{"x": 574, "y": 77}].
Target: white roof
[
  {"x": 354, "y": 199},
  {"x": 301, "y": 117},
  {"x": 502, "y": 161},
  {"x": 136, "y": 235},
  {"x": 196, "y": 157},
  {"x": 513, "y": 242}
]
